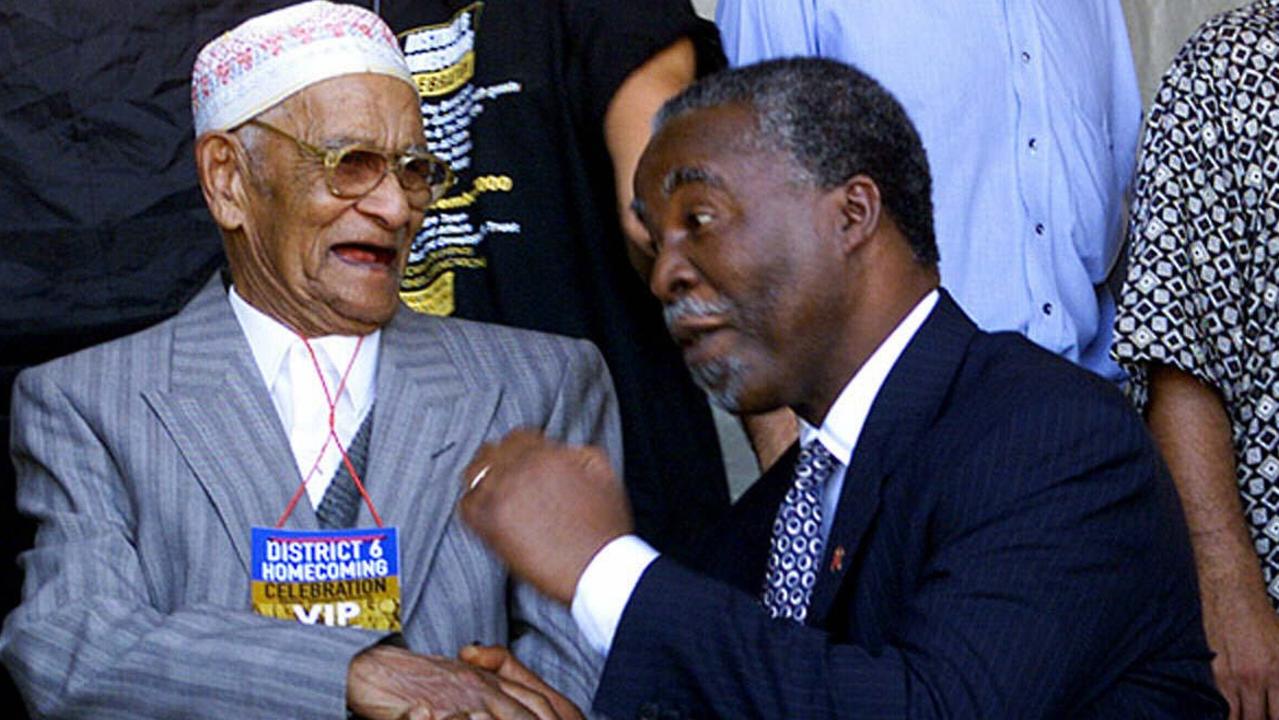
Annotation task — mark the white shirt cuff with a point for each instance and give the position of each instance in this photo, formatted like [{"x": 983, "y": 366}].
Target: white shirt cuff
[{"x": 606, "y": 586}]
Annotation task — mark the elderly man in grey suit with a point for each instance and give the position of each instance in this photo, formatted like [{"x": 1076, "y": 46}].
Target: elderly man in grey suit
[{"x": 298, "y": 399}]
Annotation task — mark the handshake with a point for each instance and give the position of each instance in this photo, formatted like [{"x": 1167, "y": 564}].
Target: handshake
[
  {"x": 546, "y": 509},
  {"x": 391, "y": 683}
]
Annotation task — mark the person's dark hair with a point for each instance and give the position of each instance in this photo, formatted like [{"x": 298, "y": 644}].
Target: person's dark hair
[{"x": 836, "y": 122}]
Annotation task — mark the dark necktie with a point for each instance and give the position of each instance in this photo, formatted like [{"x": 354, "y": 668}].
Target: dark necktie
[
  {"x": 341, "y": 502},
  {"x": 797, "y": 536}
]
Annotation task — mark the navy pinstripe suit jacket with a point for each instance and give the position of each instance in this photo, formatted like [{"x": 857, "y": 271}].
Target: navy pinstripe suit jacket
[{"x": 1009, "y": 545}]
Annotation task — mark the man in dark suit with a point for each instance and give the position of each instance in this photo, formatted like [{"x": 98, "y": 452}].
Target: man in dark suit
[{"x": 969, "y": 527}]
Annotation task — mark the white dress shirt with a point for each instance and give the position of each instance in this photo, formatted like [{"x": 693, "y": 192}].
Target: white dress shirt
[
  {"x": 611, "y": 576},
  {"x": 299, "y": 398}
]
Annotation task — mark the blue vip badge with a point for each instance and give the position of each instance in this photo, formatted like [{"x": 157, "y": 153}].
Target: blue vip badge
[{"x": 341, "y": 578}]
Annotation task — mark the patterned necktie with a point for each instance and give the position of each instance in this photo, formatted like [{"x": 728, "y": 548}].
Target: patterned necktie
[
  {"x": 797, "y": 537},
  {"x": 341, "y": 502}
]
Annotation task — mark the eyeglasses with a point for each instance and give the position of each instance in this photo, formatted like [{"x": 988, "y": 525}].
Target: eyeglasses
[{"x": 353, "y": 171}]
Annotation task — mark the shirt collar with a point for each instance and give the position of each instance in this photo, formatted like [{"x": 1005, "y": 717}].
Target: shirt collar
[
  {"x": 270, "y": 340},
  {"x": 843, "y": 424}
]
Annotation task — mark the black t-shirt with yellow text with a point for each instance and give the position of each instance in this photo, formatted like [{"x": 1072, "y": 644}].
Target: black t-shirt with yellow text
[{"x": 514, "y": 94}]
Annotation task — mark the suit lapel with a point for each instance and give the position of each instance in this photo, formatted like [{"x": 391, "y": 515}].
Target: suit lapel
[
  {"x": 910, "y": 398},
  {"x": 429, "y": 420},
  {"x": 219, "y": 413},
  {"x": 737, "y": 550}
]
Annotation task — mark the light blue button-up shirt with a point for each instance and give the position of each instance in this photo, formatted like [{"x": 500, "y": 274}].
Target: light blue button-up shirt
[{"x": 1030, "y": 113}]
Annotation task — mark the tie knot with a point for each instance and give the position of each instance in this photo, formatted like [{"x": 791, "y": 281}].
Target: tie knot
[{"x": 815, "y": 463}]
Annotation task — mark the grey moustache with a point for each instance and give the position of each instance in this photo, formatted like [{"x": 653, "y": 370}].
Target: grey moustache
[{"x": 691, "y": 307}]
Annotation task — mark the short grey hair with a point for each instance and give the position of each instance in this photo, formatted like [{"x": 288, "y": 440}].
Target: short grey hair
[{"x": 836, "y": 122}]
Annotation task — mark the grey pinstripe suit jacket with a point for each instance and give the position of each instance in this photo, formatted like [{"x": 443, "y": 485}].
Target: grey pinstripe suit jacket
[{"x": 147, "y": 459}]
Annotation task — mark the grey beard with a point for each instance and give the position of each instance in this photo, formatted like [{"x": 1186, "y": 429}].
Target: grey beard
[
  {"x": 722, "y": 382},
  {"x": 721, "y": 379}
]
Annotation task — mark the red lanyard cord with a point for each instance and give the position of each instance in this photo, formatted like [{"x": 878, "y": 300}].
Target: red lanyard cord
[{"x": 331, "y": 399}]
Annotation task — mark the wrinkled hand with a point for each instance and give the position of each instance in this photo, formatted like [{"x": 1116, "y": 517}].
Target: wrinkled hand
[
  {"x": 518, "y": 681},
  {"x": 1247, "y": 664},
  {"x": 391, "y": 683},
  {"x": 545, "y": 508}
]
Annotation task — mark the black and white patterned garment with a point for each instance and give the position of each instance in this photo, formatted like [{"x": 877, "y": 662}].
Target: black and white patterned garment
[{"x": 1202, "y": 291}]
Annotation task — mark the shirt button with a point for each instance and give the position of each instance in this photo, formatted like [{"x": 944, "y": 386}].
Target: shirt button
[
  {"x": 1025, "y": 56},
  {"x": 1033, "y": 144},
  {"x": 1039, "y": 228},
  {"x": 1048, "y": 308}
]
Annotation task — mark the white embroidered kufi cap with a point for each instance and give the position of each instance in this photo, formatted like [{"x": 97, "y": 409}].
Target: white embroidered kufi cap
[{"x": 268, "y": 58}]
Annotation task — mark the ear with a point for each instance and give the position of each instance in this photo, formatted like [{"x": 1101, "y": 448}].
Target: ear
[
  {"x": 858, "y": 208},
  {"x": 222, "y": 168}
]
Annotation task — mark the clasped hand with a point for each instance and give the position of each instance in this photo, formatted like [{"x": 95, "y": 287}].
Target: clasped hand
[{"x": 391, "y": 683}]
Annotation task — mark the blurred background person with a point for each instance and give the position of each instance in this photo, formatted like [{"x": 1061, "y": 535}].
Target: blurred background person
[
  {"x": 542, "y": 108},
  {"x": 1198, "y": 324}
]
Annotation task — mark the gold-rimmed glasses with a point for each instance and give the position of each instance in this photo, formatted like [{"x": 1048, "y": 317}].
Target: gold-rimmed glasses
[{"x": 354, "y": 170}]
